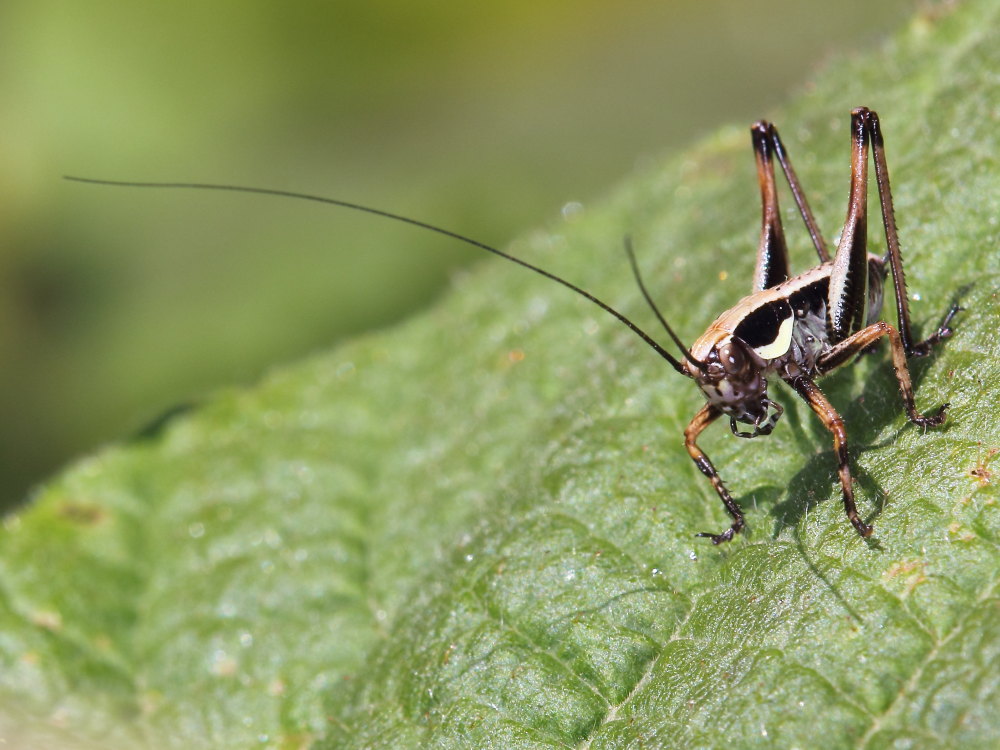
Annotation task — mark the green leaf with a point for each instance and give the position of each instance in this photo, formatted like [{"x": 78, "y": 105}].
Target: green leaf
[{"x": 476, "y": 530}]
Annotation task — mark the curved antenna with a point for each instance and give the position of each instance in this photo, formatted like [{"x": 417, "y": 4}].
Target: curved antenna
[
  {"x": 649, "y": 300},
  {"x": 405, "y": 220}
]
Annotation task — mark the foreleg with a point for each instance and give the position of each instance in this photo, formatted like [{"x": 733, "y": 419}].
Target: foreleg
[{"x": 703, "y": 419}]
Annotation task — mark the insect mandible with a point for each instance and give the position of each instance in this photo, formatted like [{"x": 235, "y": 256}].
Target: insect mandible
[{"x": 797, "y": 328}]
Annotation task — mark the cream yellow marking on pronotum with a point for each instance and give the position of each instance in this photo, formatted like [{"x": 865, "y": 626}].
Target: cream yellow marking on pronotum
[{"x": 782, "y": 341}]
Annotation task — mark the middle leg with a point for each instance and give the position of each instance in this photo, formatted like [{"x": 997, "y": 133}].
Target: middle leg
[
  {"x": 864, "y": 338},
  {"x": 813, "y": 396}
]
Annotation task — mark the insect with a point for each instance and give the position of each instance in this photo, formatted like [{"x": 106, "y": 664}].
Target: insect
[{"x": 797, "y": 328}]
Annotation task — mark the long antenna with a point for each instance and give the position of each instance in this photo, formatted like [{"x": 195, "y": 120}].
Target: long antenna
[
  {"x": 649, "y": 300},
  {"x": 406, "y": 220}
]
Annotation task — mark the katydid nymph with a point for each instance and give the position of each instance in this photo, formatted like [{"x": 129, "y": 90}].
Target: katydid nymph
[{"x": 797, "y": 328}]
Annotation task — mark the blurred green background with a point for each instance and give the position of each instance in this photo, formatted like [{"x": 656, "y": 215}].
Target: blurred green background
[{"x": 116, "y": 306}]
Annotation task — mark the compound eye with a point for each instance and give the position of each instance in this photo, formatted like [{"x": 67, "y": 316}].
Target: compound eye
[{"x": 733, "y": 358}]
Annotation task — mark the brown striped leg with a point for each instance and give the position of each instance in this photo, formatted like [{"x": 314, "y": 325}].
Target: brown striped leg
[
  {"x": 847, "y": 300},
  {"x": 703, "y": 419},
  {"x": 772, "y": 252},
  {"x": 835, "y": 424},
  {"x": 864, "y": 338}
]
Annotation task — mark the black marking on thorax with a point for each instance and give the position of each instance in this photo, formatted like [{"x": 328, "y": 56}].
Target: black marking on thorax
[
  {"x": 811, "y": 298},
  {"x": 760, "y": 326}
]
